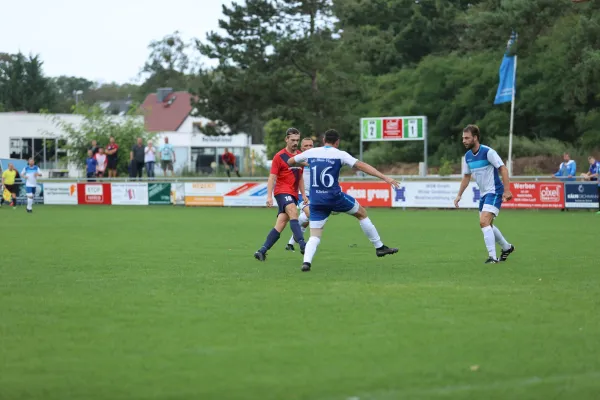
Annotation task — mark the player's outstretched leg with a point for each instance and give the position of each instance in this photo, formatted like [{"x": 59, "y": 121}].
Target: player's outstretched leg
[
  {"x": 370, "y": 231},
  {"x": 485, "y": 222},
  {"x": 507, "y": 248},
  {"x": 272, "y": 237}
]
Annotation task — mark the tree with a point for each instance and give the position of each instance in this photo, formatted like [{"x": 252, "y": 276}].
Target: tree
[
  {"x": 168, "y": 65},
  {"x": 23, "y": 86},
  {"x": 96, "y": 125},
  {"x": 274, "y": 134}
]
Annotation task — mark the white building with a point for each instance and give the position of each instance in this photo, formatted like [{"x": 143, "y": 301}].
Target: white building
[{"x": 167, "y": 114}]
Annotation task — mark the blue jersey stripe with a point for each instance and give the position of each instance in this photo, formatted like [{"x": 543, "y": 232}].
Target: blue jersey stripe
[{"x": 478, "y": 164}]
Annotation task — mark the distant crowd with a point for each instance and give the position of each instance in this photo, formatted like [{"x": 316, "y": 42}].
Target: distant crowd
[{"x": 103, "y": 161}]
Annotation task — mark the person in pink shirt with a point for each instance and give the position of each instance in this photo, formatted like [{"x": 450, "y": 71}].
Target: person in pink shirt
[{"x": 102, "y": 161}]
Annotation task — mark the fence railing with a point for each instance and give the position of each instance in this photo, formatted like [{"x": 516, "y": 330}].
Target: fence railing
[{"x": 345, "y": 178}]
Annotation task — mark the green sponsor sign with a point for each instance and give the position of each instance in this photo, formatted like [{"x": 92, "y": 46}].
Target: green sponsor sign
[
  {"x": 159, "y": 193},
  {"x": 393, "y": 128}
]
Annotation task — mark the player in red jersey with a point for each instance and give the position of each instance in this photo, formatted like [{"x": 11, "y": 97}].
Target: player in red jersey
[{"x": 287, "y": 181}]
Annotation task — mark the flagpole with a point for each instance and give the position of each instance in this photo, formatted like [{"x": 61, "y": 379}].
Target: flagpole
[{"x": 512, "y": 119}]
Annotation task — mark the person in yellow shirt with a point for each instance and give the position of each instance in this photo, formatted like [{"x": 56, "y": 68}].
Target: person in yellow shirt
[{"x": 8, "y": 180}]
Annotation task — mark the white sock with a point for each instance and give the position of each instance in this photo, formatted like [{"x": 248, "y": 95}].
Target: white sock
[
  {"x": 500, "y": 239},
  {"x": 311, "y": 248},
  {"x": 302, "y": 219},
  {"x": 371, "y": 232},
  {"x": 490, "y": 243},
  {"x": 292, "y": 241},
  {"x": 29, "y": 203}
]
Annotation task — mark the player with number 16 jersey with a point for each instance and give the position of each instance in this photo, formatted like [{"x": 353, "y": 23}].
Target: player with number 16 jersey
[{"x": 326, "y": 195}]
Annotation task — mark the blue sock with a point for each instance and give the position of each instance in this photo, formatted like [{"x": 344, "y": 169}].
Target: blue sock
[
  {"x": 272, "y": 238},
  {"x": 297, "y": 230}
]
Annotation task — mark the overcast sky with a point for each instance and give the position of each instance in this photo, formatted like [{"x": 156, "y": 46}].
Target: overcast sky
[{"x": 102, "y": 41}]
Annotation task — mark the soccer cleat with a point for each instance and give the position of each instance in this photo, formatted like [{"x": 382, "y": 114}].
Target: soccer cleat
[
  {"x": 384, "y": 251},
  {"x": 260, "y": 256},
  {"x": 290, "y": 247},
  {"x": 302, "y": 249},
  {"x": 491, "y": 261},
  {"x": 506, "y": 253},
  {"x": 30, "y": 211},
  {"x": 306, "y": 267}
]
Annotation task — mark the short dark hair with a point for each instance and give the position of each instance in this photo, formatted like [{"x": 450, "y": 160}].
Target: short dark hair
[
  {"x": 331, "y": 136},
  {"x": 473, "y": 130},
  {"x": 292, "y": 131}
]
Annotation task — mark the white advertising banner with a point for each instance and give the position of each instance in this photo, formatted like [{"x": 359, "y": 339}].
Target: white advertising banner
[
  {"x": 434, "y": 195},
  {"x": 208, "y": 188},
  {"x": 60, "y": 193},
  {"x": 178, "y": 193},
  {"x": 131, "y": 193},
  {"x": 250, "y": 194}
]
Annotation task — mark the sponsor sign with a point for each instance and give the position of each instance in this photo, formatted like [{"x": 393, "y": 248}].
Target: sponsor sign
[
  {"x": 93, "y": 193},
  {"x": 129, "y": 194},
  {"x": 578, "y": 195},
  {"x": 178, "y": 193},
  {"x": 159, "y": 193},
  {"x": 60, "y": 193},
  {"x": 369, "y": 194},
  {"x": 216, "y": 201},
  {"x": 434, "y": 195},
  {"x": 207, "y": 193},
  {"x": 536, "y": 195},
  {"x": 37, "y": 199},
  {"x": 250, "y": 194}
]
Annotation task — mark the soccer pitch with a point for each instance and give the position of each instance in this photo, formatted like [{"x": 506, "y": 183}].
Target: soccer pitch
[{"x": 169, "y": 303}]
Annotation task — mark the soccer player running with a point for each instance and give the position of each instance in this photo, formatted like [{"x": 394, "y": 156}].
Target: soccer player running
[
  {"x": 306, "y": 144},
  {"x": 30, "y": 173},
  {"x": 286, "y": 181},
  {"x": 326, "y": 195},
  {"x": 486, "y": 166}
]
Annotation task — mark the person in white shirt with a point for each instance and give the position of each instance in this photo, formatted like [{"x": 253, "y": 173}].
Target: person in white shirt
[
  {"x": 102, "y": 161},
  {"x": 30, "y": 173},
  {"x": 150, "y": 159}
]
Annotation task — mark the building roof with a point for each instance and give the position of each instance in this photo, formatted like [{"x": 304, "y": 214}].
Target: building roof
[{"x": 166, "y": 116}]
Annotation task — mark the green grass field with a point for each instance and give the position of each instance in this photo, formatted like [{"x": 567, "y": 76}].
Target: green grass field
[{"x": 168, "y": 303}]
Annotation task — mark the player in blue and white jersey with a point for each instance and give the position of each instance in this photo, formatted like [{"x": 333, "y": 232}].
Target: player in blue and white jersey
[
  {"x": 306, "y": 144},
  {"x": 486, "y": 166},
  {"x": 30, "y": 173},
  {"x": 326, "y": 195}
]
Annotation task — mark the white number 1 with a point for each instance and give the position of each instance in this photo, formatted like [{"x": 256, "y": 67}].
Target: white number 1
[{"x": 327, "y": 180}]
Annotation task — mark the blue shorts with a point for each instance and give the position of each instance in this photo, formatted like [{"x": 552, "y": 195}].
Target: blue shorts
[
  {"x": 320, "y": 212},
  {"x": 30, "y": 189},
  {"x": 283, "y": 200},
  {"x": 491, "y": 203}
]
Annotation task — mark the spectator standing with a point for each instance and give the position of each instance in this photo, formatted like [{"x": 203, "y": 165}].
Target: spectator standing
[
  {"x": 102, "y": 161},
  {"x": 167, "y": 157},
  {"x": 150, "y": 159},
  {"x": 567, "y": 169},
  {"x": 592, "y": 174},
  {"x": 112, "y": 154},
  {"x": 90, "y": 166},
  {"x": 137, "y": 157},
  {"x": 229, "y": 162},
  {"x": 94, "y": 147}
]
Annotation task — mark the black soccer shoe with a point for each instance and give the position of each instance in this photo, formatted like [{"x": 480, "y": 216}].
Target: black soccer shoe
[
  {"x": 30, "y": 211},
  {"x": 306, "y": 267},
  {"x": 491, "y": 261},
  {"x": 384, "y": 251},
  {"x": 506, "y": 253},
  {"x": 260, "y": 256},
  {"x": 290, "y": 247}
]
